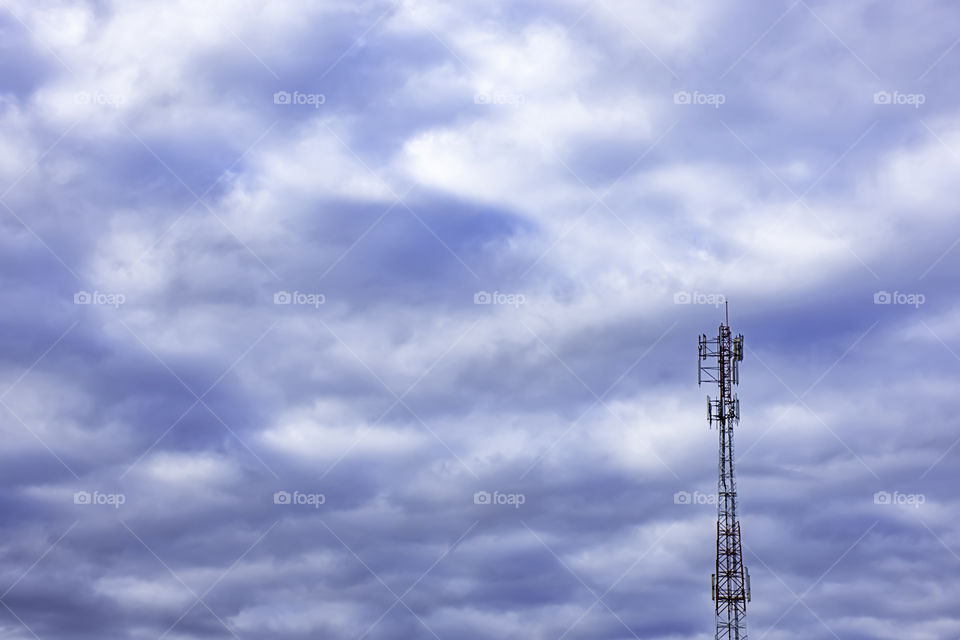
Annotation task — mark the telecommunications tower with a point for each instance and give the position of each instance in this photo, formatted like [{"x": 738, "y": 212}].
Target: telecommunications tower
[{"x": 730, "y": 585}]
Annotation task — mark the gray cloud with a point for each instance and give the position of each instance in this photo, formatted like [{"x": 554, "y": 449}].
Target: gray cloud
[{"x": 541, "y": 153}]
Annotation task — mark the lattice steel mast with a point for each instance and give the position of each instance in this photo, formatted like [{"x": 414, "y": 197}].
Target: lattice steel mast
[{"x": 730, "y": 585}]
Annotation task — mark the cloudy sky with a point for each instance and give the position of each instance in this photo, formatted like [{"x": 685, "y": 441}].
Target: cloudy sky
[{"x": 378, "y": 320}]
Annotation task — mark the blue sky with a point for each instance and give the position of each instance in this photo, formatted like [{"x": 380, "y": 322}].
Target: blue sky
[{"x": 290, "y": 288}]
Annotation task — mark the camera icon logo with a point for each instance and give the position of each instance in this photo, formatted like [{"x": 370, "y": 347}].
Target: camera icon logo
[
  {"x": 482, "y": 297},
  {"x": 681, "y": 297},
  {"x": 81, "y": 497},
  {"x": 682, "y": 497},
  {"x": 681, "y": 97},
  {"x": 282, "y": 297},
  {"x": 482, "y": 98},
  {"x": 881, "y": 497},
  {"x": 481, "y": 497},
  {"x": 882, "y": 297},
  {"x": 81, "y": 97},
  {"x": 81, "y": 297},
  {"x": 281, "y": 497},
  {"x": 881, "y": 97},
  {"x": 281, "y": 97}
]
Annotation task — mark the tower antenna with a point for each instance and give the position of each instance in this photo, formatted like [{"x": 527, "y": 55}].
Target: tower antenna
[{"x": 719, "y": 360}]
